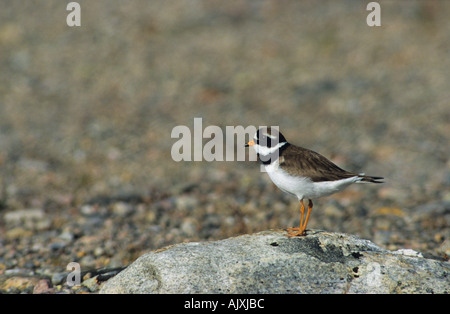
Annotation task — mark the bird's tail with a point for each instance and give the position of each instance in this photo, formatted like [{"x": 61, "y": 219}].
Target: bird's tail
[{"x": 370, "y": 179}]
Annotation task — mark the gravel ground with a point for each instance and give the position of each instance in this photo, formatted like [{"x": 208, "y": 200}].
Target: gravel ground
[{"x": 86, "y": 116}]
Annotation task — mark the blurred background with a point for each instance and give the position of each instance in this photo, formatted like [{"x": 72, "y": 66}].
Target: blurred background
[{"x": 86, "y": 115}]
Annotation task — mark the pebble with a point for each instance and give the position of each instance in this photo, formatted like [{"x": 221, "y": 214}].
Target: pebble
[
  {"x": 43, "y": 286},
  {"x": 88, "y": 209},
  {"x": 57, "y": 246},
  {"x": 444, "y": 248},
  {"x": 57, "y": 278},
  {"x": 189, "y": 227},
  {"x": 66, "y": 236},
  {"x": 121, "y": 208},
  {"x": 91, "y": 284}
]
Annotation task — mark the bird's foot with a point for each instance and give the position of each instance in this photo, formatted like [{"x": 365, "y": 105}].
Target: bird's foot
[{"x": 295, "y": 232}]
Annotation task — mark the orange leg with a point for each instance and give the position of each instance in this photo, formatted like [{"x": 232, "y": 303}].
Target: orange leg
[
  {"x": 302, "y": 211},
  {"x": 292, "y": 232},
  {"x": 302, "y": 228},
  {"x": 310, "y": 206}
]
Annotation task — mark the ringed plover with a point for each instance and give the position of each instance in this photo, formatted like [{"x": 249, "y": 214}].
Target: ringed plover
[{"x": 301, "y": 172}]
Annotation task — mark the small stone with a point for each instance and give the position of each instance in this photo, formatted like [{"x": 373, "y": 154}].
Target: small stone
[
  {"x": 91, "y": 284},
  {"x": 121, "y": 208},
  {"x": 58, "y": 278},
  {"x": 445, "y": 248},
  {"x": 66, "y": 236},
  {"x": 99, "y": 251},
  {"x": 88, "y": 209},
  {"x": 189, "y": 227},
  {"x": 57, "y": 246},
  {"x": 43, "y": 286},
  {"x": 184, "y": 202}
]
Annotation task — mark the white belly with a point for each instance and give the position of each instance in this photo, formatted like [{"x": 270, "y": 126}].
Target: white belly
[{"x": 305, "y": 188}]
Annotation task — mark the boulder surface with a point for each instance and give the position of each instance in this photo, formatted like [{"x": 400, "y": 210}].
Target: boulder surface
[{"x": 269, "y": 262}]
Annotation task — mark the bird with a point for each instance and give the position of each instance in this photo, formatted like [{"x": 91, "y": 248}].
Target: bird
[{"x": 301, "y": 172}]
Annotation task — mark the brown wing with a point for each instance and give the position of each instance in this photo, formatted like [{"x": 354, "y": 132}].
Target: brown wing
[{"x": 304, "y": 162}]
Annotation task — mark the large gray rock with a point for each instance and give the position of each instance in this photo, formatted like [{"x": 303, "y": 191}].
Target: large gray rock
[{"x": 269, "y": 262}]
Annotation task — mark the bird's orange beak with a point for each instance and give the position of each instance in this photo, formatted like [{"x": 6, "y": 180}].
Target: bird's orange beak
[{"x": 251, "y": 143}]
